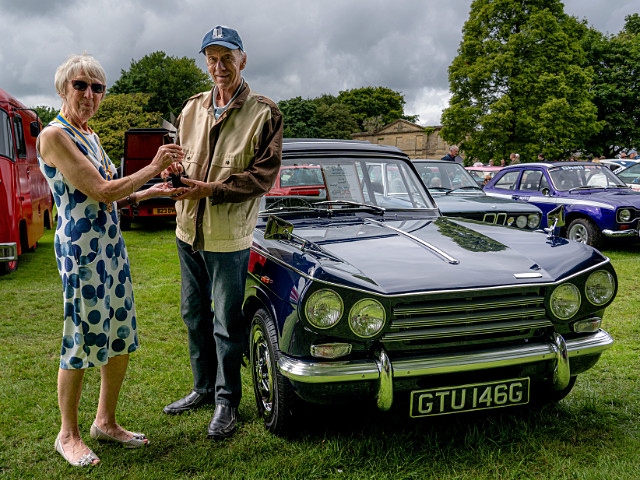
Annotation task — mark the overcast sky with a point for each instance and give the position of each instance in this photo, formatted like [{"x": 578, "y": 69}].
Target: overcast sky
[{"x": 295, "y": 48}]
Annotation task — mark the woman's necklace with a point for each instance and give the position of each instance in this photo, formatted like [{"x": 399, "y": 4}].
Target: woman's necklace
[{"x": 101, "y": 155}]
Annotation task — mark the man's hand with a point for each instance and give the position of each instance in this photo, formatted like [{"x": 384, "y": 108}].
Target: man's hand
[{"x": 196, "y": 190}]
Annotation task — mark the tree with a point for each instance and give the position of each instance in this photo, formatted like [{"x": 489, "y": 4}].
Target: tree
[
  {"x": 46, "y": 114},
  {"x": 371, "y": 102},
  {"x": 117, "y": 114},
  {"x": 322, "y": 117},
  {"x": 519, "y": 83},
  {"x": 616, "y": 61},
  {"x": 168, "y": 80},
  {"x": 298, "y": 118}
]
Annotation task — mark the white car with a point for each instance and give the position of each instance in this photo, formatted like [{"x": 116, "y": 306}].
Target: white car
[{"x": 630, "y": 175}]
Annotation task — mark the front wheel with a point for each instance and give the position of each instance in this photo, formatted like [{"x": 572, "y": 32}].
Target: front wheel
[
  {"x": 585, "y": 231},
  {"x": 8, "y": 267},
  {"x": 273, "y": 393}
]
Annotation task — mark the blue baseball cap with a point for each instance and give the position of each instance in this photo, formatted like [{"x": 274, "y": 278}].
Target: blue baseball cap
[{"x": 225, "y": 36}]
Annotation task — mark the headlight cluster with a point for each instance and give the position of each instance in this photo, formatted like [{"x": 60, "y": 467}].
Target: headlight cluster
[
  {"x": 625, "y": 215},
  {"x": 325, "y": 308},
  {"x": 566, "y": 299},
  {"x": 531, "y": 221}
]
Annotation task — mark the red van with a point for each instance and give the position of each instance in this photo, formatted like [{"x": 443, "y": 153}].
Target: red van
[
  {"x": 26, "y": 204},
  {"x": 140, "y": 146}
]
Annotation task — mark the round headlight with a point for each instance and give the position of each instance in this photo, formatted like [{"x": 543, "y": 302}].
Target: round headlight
[
  {"x": 565, "y": 301},
  {"x": 324, "y": 308},
  {"x": 533, "y": 221},
  {"x": 366, "y": 318},
  {"x": 521, "y": 221},
  {"x": 624, "y": 215},
  {"x": 600, "y": 287}
]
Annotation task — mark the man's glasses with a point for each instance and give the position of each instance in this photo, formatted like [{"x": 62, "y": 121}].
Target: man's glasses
[{"x": 81, "y": 86}]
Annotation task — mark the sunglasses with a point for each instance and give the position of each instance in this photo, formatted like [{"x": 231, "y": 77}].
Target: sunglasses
[{"x": 81, "y": 86}]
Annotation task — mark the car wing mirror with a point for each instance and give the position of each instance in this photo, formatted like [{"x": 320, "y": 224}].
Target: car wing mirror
[
  {"x": 277, "y": 228},
  {"x": 555, "y": 217}
]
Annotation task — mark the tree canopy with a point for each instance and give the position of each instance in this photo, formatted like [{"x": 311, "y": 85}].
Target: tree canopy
[
  {"x": 352, "y": 111},
  {"x": 616, "y": 63},
  {"x": 168, "y": 80},
  {"x": 519, "y": 82}
]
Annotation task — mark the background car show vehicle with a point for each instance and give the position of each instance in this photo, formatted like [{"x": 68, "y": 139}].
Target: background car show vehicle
[
  {"x": 140, "y": 146},
  {"x": 630, "y": 175},
  {"x": 598, "y": 205},
  {"x": 297, "y": 181},
  {"x": 479, "y": 174},
  {"x": 458, "y": 195},
  {"x": 26, "y": 203},
  {"x": 374, "y": 297}
]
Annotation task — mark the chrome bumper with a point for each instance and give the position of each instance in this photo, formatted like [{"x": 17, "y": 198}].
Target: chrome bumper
[
  {"x": 384, "y": 371},
  {"x": 620, "y": 233},
  {"x": 8, "y": 252}
]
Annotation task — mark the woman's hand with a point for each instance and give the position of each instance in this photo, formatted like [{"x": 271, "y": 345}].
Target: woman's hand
[
  {"x": 166, "y": 155},
  {"x": 160, "y": 189}
]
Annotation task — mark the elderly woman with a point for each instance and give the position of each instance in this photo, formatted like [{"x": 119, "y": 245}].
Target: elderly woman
[{"x": 99, "y": 311}]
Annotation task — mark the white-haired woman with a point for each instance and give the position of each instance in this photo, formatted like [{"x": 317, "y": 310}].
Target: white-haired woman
[{"x": 99, "y": 312}]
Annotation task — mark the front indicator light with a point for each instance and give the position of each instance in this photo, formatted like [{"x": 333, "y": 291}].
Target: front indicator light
[
  {"x": 590, "y": 325},
  {"x": 367, "y": 317},
  {"x": 324, "y": 308},
  {"x": 600, "y": 287},
  {"x": 565, "y": 301},
  {"x": 331, "y": 350}
]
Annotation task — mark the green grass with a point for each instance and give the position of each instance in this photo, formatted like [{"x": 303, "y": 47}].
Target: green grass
[{"x": 593, "y": 434}]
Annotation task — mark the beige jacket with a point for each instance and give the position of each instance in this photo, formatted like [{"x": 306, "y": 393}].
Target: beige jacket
[{"x": 240, "y": 156}]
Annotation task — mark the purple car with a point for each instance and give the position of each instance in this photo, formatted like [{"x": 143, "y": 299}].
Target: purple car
[{"x": 598, "y": 205}]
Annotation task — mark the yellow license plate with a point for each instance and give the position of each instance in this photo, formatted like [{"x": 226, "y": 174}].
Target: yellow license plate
[
  {"x": 164, "y": 211},
  {"x": 467, "y": 398}
]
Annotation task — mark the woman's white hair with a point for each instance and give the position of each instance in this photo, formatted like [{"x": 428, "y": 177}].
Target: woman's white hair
[{"x": 75, "y": 66}]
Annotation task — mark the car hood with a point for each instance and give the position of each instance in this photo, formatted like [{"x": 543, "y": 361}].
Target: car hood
[
  {"x": 402, "y": 256},
  {"x": 617, "y": 197},
  {"x": 480, "y": 202}
]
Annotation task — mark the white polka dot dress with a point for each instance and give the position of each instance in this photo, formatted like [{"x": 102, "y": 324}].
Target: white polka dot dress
[{"x": 99, "y": 310}]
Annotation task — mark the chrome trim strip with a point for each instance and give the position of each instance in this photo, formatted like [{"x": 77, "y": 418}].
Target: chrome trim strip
[
  {"x": 384, "y": 396},
  {"x": 348, "y": 371},
  {"x": 433, "y": 248},
  {"x": 562, "y": 372}
]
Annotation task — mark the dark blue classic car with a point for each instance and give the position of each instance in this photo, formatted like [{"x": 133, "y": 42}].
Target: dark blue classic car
[
  {"x": 376, "y": 297},
  {"x": 597, "y": 203},
  {"x": 458, "y": 195}
]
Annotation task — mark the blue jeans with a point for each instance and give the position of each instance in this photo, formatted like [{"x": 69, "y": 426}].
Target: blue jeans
[{"x": 216, "y": 337}]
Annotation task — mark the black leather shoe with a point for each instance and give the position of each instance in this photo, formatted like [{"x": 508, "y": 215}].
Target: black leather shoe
[
  {"x": 190, "y": 402},
  {"x": 223, "y": 423}
]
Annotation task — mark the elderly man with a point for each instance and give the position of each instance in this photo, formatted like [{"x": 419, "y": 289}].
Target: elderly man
[
  {"x": 232, "y": 139},
  {"x": 453, "y": 156}
]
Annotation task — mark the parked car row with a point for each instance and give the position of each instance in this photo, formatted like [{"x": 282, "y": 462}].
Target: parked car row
[{"x": 373, "y": 296}]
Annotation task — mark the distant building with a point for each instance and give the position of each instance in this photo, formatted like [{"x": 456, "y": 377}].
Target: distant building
[{"x": 414, "y": 140}]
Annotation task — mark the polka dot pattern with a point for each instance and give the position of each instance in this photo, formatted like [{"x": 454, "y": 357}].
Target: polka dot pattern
[{"x": 99, "y": 308}]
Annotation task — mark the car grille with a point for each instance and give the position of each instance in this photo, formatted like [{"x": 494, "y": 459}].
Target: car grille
[
  {"x": 496, "y": 218},
  {"x": 486, "y": 318}
]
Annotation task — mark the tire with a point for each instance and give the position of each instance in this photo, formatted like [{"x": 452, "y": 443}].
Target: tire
[
  {"x": 8, "y": 267},
  {"x": 585, "y": 231},
  {"x": 125, "y": 223},
  {"x": 273, "y": 392}
]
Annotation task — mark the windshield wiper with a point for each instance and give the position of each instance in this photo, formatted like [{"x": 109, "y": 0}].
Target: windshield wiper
[
  {"x": 462, "y": 188},
  {"x": 348, "y": 203}
]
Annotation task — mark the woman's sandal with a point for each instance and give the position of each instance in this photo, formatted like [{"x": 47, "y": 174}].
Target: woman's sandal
[
  {"x": 137, "y": 441},
  {"x": 85, "y": 460}
]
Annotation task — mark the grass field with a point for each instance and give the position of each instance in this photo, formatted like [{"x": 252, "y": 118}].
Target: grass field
[{"x": 593, "y": 434}]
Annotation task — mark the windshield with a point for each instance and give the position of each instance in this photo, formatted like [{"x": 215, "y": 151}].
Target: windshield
[
  {"x": 440, "y": 177},
  {"x": 355, "y": 181},
  {"x": 573, "y": 177},
  {"x": 630, "y": 175}
]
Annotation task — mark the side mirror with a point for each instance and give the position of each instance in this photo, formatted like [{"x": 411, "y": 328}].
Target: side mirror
[
  {"x": 555, "y": 217},
  {"x": 277, "y": 228},
  {"x": 34, "y": 129}
]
